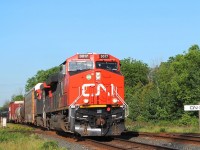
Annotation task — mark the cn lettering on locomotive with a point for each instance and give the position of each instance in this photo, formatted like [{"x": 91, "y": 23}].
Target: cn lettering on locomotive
[
  {"x": 86, "y": 97},
  {"x": 99, "y": 88}
]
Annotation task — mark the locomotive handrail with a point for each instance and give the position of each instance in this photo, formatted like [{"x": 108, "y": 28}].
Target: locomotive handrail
[
  {"x": 78, "y": 97},
  {"x": 123, "y": 102},
  {"x": 73, "y": 105}
]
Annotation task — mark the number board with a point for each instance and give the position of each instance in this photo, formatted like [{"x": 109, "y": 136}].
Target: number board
[
  {"x": 104, "y": 56},
  {"x": 83, "y": 56}
]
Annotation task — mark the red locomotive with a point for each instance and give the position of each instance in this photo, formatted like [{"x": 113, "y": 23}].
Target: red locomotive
[{"x": 86, "y": 97}]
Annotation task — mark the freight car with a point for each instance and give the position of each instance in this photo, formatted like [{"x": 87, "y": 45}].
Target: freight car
[
  {"x": 14, "y": 111},
  {"x": 86, "y": 97},
  {"x": 29, "y": 109}
]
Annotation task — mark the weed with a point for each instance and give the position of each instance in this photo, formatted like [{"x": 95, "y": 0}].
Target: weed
[
  {"x": 50, "y": 145},
  {"x": 162, "y": 130},
  {"x": 17, "y": 137}
]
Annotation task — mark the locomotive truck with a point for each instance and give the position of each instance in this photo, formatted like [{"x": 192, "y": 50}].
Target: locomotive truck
[{"x": 86, "y": 97}]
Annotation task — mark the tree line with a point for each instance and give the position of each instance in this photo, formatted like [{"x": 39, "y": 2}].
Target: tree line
[
  {"x": 157, "y": 93},
  {"x": 160, "y": 93}
]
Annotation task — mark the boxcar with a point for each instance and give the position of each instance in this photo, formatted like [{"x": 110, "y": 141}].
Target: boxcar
[
  {"x": 30, "y": 105},
  {"x": 14, "y": 108}
]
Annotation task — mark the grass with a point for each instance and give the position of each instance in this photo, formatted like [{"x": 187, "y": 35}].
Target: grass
[
  {"x": 157, "y": 127},
  {"x": 17, "y": 137}
]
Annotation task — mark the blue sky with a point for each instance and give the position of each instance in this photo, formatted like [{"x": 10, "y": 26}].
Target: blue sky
[{"x": 37, "y": 35}]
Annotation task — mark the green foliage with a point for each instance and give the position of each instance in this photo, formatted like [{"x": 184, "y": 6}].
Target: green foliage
[
  {"x": 14, "y": 133},
  {"x": 134, "y": 71},
  {"x": 10, "y": 136},
  {"x": 5, "y": 106},
  {"x": 18, "y": 128},
  {"x": 41, "y": 76},
  {"x": 178, "y": 81},
  {"x": 50, "y": 145},
  {"x": 17, "y": 98},
  {"x": 162, "y": 126},
  {"x": 16, "y": 136},
  {"x": 186, "y": 119},
  {"x": 136, "y": 77},
  {"x": 160, "y": 93},
  {"x": 162, "y": 130}
]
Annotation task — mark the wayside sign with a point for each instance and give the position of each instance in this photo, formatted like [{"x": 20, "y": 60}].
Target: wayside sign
[{"x": 191, "y": 107}]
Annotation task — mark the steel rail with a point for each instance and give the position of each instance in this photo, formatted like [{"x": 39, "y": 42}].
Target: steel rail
[{"x": 157, "y": 147}]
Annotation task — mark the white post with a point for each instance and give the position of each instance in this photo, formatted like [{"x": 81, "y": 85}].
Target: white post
[
  {"x": 1, "y": 121},
  {"x": 4, "y": 121}
]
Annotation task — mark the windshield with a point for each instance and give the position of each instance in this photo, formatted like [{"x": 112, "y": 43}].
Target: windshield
[
  {"x": 80, "y": 65},
  {"x": 106, "y": 65}
]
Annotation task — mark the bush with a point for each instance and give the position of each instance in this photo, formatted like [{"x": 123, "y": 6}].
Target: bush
[
  {"x": 186, "y": 119},
  {"x": 162, "y": 130},
  {"x": 141, "y": 119},
  {"x": 50, "y": 145}
]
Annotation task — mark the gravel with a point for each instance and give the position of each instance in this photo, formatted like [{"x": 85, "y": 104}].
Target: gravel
[
  {"x": 166, "y": 143},
  {"x": 64, "y": 144},
  {"x": 76, "y": 146}
]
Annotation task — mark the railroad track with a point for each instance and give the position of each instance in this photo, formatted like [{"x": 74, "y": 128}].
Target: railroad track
[
  {"x": 121, "y": 144},
  {"x": 185, "y": 138},
  {"x": 175, "y": 136}
]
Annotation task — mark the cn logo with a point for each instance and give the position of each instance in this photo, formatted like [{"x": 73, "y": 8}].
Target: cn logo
[{"x": 86, "y": 93}]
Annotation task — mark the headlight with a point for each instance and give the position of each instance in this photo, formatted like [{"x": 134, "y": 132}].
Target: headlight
[
  {"x": 89, "y": 77},
  {"x": 98, "y": 75},
  {"x": 115, "y": 100},
  {"x": 86, "y": 101}
]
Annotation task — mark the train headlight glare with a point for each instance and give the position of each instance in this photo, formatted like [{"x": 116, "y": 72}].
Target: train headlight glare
[
  {"x": 86, "y": 101},
  {"x": 115, "y": 100},
  {"x": 98, "y": 75}
]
